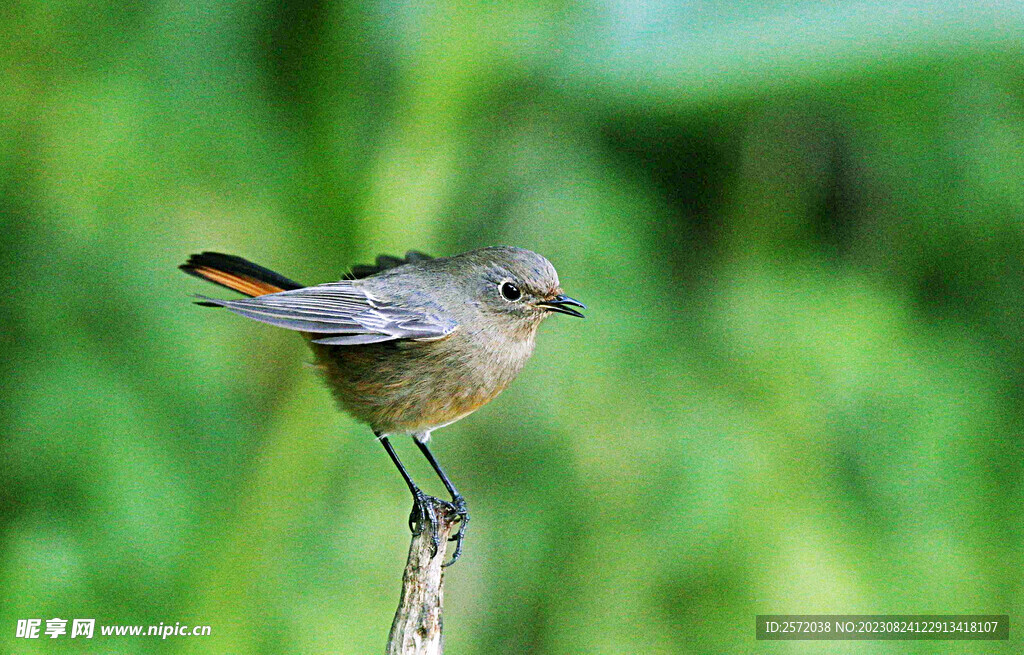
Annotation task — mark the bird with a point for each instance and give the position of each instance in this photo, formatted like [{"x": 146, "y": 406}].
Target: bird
[{"x": 408, "y": 344}]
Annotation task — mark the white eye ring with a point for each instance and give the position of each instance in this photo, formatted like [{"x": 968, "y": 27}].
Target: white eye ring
[{"x": 510, "y": 291}]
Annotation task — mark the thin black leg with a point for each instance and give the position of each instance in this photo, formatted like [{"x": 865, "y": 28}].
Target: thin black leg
[
  {"x": 457, "y": 500},
  {"x": 425, "y": 449},
  {"x": 401, "y": 469},
  {"x": 422, "y": 510}
]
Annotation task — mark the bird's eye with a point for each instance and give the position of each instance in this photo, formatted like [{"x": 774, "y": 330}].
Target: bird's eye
[{"x": 510, "y": 292}]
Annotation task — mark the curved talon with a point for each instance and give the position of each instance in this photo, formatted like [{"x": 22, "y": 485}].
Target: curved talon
[
  {"x": 421, "y": 514},
  {"x": 459, "y": 507},
  {"x": 416, "y": 515}
]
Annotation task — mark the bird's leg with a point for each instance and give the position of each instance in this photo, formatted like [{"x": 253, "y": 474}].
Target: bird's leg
[
  {"x": 422, "y": 509},
  {"x": 457, "y": 500}
]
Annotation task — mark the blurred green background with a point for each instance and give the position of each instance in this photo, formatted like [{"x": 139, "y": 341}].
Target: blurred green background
[{"x": 798, "y": 226}]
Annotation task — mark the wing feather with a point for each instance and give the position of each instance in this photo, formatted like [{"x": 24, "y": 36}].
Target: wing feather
[{"x": 344, "y": 310}]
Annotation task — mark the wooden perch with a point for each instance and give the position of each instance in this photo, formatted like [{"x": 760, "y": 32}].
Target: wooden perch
[{"x": 416, "y": 629}]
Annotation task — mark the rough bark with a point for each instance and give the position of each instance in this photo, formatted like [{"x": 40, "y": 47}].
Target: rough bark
[{"x": 417, "y": 627}]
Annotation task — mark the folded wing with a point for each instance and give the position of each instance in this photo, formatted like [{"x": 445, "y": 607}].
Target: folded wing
[{"x": 343, "y": 312}]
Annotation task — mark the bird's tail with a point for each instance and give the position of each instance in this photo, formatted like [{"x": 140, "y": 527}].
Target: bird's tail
[{"x": 237, "y": 274}]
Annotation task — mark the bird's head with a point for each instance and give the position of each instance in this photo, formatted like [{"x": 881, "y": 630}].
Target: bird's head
[{"x": 518, "y": 284}]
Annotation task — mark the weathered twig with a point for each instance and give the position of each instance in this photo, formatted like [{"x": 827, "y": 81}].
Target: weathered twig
[{"x": 416, "y": 629}]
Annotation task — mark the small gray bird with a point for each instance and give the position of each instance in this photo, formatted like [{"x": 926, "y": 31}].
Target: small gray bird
[{"x": 408, "y": 345}]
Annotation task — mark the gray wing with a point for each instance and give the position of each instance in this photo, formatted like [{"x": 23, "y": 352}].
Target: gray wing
[{"x": 346, "y": 312}]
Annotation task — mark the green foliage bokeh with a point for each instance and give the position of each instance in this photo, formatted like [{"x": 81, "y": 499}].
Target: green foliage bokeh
[{"x": 798, "y": 227}]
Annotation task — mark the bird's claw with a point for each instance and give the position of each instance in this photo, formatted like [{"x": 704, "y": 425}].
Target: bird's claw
[
  {"x": 420, "y": 509},
  {"x": 424, "y": 511},
  {"x": 459, "y": 507}
]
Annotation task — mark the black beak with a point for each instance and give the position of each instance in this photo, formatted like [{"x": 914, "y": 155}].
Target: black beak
[{"x": 563, "y": 305}]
